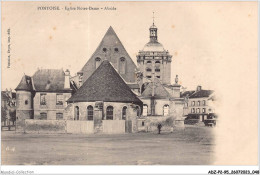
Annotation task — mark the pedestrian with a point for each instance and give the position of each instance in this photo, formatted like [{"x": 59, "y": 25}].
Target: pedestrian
[{"x": 159, "y": 128}]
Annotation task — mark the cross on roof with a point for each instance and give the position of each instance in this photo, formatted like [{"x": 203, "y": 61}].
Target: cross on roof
[{"x": 153, "y": 18}]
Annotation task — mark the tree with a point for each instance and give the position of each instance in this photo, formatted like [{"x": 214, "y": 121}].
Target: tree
[{"x": 3, "y": 114}]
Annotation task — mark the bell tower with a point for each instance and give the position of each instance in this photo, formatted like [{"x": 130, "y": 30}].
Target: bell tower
[
  {"x": 153, "y": 32},
  {"x": 154, "y": 62}
]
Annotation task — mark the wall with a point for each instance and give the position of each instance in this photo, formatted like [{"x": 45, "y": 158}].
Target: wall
[
  {"x": 159, "y": 103},
  {"x": 45, "y": 126},
  {"x": 83, "y": 127},
  {"x": 50, "y": 108},
  {"x": 56, "y": 126},
  {"x": 113, "y": 126},
  {"x": 151, "y": 123}
]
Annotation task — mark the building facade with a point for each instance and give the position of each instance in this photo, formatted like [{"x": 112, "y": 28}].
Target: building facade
[
  {"x": 43, "y": 96},
  {"x": 198, "y": 104}
]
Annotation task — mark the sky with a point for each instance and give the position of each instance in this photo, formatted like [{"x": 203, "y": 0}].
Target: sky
[{"x": 197, "y": 34}]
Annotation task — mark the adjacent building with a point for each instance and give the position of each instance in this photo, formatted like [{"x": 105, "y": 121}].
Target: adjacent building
[{"x": 199, "y": 104}]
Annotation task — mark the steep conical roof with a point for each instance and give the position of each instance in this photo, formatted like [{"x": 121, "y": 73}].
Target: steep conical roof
[
  {"x": 105, "y": 84},
  {"x": 25, "y": 84},
  {"x": 112, "y": 49}
]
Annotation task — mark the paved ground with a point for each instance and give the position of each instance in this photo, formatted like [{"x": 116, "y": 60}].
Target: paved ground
[{"x": 192, "y": 146}]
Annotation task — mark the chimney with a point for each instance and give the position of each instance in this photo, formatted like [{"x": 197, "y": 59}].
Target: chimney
[
  {"x": 67, "y": 80},
  {"x": 198, "y": 88}
]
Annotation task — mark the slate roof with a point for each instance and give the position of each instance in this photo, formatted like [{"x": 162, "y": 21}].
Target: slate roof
[
  {"x": 133, "y": 86},
  {"x": 184, "y": 94},
  {"x": 25, "y": 84},
  {"x": 49, "y": 80},
  {"x": 105, "y": 84},
  {"x": 202, "y": 93},
  {"x": 44, "y": 80},
  {"x": 159, "y": 90}
]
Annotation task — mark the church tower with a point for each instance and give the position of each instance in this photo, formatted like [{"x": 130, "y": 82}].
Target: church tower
[{"x": 154, "y": 61}]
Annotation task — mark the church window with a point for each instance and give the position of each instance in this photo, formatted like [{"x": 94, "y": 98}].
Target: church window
[
  {"x": 43, "y": 116},
  {"x": 165, "y": 110},
  {"x": 109, "y": 113},
  {"x": 157, "y": 70},
  {"x": 59, "y": 116},
  {"x": 116, "y": 49},
  {"x": 76, "y": 114},
  {"x": 145, "y": 110},
  {"x": 122, "y": 65},
  {"x": 148, "y": 69},
  {"x": 42, "y": 99},
  {"x": 124, "y": 113},
  {"x": 98, "y": 61},
  {"x": 104, "y": 49},
  {"x": 90, "y": 112},
  {"x": 26, "y": 102},
  {"x": 59, "y": 99}
]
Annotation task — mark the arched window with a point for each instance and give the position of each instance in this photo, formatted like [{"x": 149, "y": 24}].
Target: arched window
[
  {"x": 59, "y": 116},
  {"x": 122, "y": 65},
  {"x": 76, "y": 115},
  {"x": 198, "y": 110},
  {"x": 198, "y": 103},
  {"x": 148, "y": 62},
  {"x": 157, "y": 62},
  {"x": 97, "y": 62},
  {"x": 145, "y": 110},
  {"x": 110, "y": 113},
  {"x": 90, "y": 112},
  {"x": 148, "y": 69},
  {"x": 166, "y": 110},
  {"x": 43, "y": 116},
  {"x": 124, "y": 113}
]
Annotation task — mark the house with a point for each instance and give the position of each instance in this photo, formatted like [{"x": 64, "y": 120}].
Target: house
[
  {"x": 198, "y": 104},
  {"x": 43, "y": 96}
]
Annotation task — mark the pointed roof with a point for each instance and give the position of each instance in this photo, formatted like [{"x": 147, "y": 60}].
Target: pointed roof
[
  {"x": 114, "y": 50},
  {"x": 159, "y": 90},
  {"x": 105, "y": 84},
  {"x": 25, "y": 84}
]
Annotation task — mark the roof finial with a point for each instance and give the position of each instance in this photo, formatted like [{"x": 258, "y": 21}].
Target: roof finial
[{"x": 153, "y": 18}]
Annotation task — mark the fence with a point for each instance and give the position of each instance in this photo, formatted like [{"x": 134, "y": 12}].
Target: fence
[
  {"x": 84, "y": 127},
  {"x": 113, "y": 126}
]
